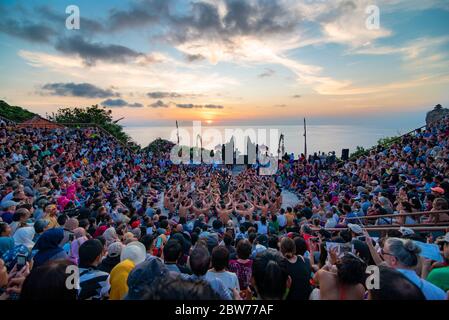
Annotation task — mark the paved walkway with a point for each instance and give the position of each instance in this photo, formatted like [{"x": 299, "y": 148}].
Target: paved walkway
[{"x": 289, "y": 199}]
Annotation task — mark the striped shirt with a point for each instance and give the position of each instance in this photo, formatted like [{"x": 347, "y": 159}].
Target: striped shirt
[{"x": 94, "y": 284}]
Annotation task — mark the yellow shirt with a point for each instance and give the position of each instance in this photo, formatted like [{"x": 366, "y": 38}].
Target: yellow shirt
[
  {"x": 119, "y": 278},
  {"x": 53, "y": 222}
]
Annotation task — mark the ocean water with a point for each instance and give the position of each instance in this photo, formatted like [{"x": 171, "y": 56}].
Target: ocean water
[{"x": 324, "y": 138}]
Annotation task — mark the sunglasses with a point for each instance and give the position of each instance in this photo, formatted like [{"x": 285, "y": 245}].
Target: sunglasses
[{"x": 382, "y": 252}]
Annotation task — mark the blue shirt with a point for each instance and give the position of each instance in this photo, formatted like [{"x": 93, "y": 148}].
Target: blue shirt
[
  {"x": 430, "y": 291},
  {"x": 216, "y": 284},
  {"x": 282, "y": 220},
  {"x": 428, "y": 186},
  {"x": 149, "y": 212},
  {"x": 351, "y": 217},
  {"x": 365, "y": 206},
  {"x": 262, "y": 228}
]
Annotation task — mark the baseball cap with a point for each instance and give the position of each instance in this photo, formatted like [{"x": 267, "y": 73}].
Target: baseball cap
[
  {"x": 355, "y": 228},
  {"x": 115, "y": 249}
]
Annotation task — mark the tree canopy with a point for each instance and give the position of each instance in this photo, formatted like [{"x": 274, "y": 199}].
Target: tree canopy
[
  {"x": 91, "y": 115},
  {"x": 159, "y": 146},
  {"x": 14, "y": 113}
]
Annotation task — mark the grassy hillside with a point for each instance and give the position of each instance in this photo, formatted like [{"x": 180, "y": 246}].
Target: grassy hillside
[{"x": 14, "y": 113}]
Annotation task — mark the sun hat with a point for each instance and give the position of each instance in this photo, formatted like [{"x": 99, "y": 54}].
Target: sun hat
[{"x": 134, "y": 251}]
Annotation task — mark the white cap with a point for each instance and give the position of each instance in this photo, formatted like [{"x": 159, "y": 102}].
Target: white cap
[{"x": 355, "y": 228}]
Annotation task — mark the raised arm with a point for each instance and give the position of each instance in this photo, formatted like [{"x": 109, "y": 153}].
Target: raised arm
[{"x": 376, "y": 257}]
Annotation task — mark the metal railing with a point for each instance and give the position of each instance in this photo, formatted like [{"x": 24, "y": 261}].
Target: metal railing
[
  {"x": 444, "y": 225},
  {"x": 389, "y": 228},
  {"x": 392, "y": 216}
]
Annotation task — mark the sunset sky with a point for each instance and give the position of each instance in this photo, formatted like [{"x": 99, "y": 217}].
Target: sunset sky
[{"x": 226, "y": 61}]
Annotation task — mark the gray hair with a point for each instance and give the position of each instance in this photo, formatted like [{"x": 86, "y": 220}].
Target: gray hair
[{"x": 406, "y": 251}]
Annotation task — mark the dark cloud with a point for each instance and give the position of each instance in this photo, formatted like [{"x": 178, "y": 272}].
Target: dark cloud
[
  {"x": 158, "y": 104},
  {"x": 187, "y": 106},
  {"x": 194, "y": 57},
  {"x": 91, "y": 52},
  {"x": 297, "y": 96},
  {"x": 112, "y": 103},
  {"x": 139, "y": 14},
  {"x": 198, "y": 106},
  {"x": 86, "y": 90},
  {"x": 213, "y": 106},
  {"x": 135, "y": 105},
  {"x": 196, "y": 20},
  {"x": 27, "y": 30},
  {"x": 162, "y": 95},
  {"x": 120, "y": 103},
  {"x": 267, "y": 73},
  {"x": 258, "y": 18}
]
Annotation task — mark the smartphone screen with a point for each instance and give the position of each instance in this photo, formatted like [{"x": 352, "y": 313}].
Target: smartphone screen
[{"x": 21, "y": 261}]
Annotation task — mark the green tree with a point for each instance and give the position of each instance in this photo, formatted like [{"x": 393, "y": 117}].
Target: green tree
[
  {"x": 14, "y": 113},
  {"x": 91, "y": 115},
  {"x": 159, "y": 146},
  {"x": 387, "y": 141},
  {"x": 359, "y": 151}
]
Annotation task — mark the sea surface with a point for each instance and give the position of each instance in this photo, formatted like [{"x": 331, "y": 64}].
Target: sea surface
[{"x": 320, "y": 138}]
